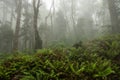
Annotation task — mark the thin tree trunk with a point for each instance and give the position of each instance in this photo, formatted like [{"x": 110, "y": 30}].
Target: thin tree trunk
[
  {"x": 73, "y": 19},
  {"x": 46, "y": 25},
  {"x": 11, "y": 23}
]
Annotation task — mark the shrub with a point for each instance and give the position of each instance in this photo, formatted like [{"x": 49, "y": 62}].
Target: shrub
[{"x": 94, "y": 61}]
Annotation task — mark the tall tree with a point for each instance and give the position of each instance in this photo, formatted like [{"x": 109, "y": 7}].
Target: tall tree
[
  {"x": 60, "y": 26},
  {"x": 26, "y": 27},
  {"x": 113, "y": 16},
  {"x": 18, "y": 22},
  {"x": 6, "y": 37},
  {"x": 38, "y": 41}
]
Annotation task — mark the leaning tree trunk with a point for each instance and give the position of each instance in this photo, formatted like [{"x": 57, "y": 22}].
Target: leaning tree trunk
[
  {"x": 17, "y": 30},
  {"x": 38, "y": 41}
]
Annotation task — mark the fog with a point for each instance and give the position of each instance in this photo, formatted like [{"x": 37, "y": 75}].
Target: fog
[
  {"x": 59, "y": 39},
  {"x": 36, "y": 24}
]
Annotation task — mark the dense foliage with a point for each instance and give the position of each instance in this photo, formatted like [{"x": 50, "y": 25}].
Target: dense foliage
[{"x": 95, "y": 60}]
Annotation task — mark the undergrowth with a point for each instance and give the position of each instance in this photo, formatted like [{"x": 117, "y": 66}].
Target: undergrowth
[{"x": 96, "y": 60}]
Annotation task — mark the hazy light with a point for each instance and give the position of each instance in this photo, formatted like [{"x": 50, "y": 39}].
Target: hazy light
[{"x": 47, "y": 3}]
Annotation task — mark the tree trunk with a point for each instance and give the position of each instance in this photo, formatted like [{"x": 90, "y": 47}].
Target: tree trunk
[
  {"x": 38, "y": 41},
  {"x": 113, "y": 16},
  {"x": 17, "y": 30}
]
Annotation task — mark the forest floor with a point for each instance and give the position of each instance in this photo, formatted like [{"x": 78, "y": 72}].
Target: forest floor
[{"x": 98, "y": 59}]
